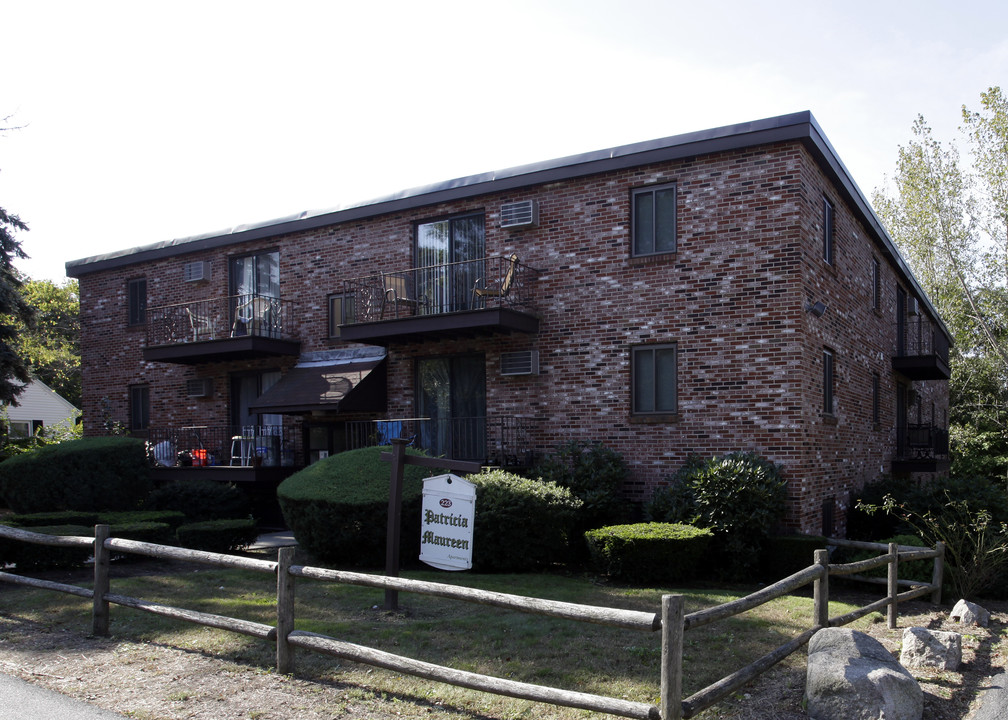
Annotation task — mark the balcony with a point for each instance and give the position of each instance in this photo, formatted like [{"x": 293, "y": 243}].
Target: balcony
[
  {"x": 489, "y": 295},
  {"x": 921, "y": 447},
  {"x": 922, "y": 350},
  {"x": 227, "y": 446},
  {"x": 501, "y": 441},
  {"x": 225, "y": 328}
]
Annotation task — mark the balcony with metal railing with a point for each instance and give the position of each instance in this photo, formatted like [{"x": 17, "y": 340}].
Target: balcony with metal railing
[
  {"x": 492, "y": 294},
  {"x": 921, "y": 447},
  {"x": 491, "y": 440},
  {"x": 922, "y": 350},
  {"x": 238, "y": 326}
]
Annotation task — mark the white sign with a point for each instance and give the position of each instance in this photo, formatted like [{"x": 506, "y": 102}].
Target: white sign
[{"x": 446, "y": 526}]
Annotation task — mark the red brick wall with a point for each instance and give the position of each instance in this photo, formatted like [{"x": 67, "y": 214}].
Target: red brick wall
[{"x": 733, "y": 298}]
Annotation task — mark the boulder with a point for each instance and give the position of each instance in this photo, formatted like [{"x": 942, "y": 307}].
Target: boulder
[
  {"x": 923, "y": 648},
  {"x": 851, "y": 676},
  {"x": 967, "y": 613}
]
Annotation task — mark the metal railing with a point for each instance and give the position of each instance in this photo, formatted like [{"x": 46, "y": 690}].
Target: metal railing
[
  {"x": 495, "y": 440},
  {"x": 487, "y": 283},
  {"x": 221, "y": 318},
  {"x": 919, "y": 337},
  {"x": 920, "y": 441},
  {"x": 230, "y": 445}
]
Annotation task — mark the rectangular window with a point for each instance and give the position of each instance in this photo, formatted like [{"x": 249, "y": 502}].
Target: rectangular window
[
  {"x": 876, "y": 274},
  {"x": 450, "y": 257},
  {"x": 139, "y": 407},
  {"x": 827, "y": 231},
  {"x": 137, "y": 290},
  {"x": 654, "y": 379},
  {"x": 19, "y": 428},
  {"x": 341, "y": 311},
  {"x": 828, "y": 360},
  {"x": 653, "y": 220},
  {"x": 876, "y": 401}
]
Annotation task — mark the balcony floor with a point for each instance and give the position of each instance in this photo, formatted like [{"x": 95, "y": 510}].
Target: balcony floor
[{"x": 421, "y": 327}]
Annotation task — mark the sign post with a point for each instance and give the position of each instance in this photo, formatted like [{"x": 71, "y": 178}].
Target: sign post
[{"x": 399, "y": 460}]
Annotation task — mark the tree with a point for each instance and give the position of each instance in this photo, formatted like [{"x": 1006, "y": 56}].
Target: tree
[
  {"x": 15, "y": 313},
  {"x": 952, "y": 226},
  {"x": 51, "y": 348}
]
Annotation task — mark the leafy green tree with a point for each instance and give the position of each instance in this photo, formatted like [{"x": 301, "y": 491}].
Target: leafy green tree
[
  {"x": 951, "y": 224},
  {"x": 15, "y": 313},
  {"x": 51, "y": 348}
]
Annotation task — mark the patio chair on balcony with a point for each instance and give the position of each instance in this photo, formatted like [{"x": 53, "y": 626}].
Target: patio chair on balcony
[
  {"x": 260, "y": 315},
  {"x": 501, "y": 290},
  {"x": 201, "y": 324},
  {"x": 398, "y": 292}
]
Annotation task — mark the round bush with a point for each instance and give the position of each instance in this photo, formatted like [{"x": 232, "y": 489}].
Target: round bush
[
  {"x": 520, "y": 524},
  {"x": 338, "y": 507},
  {"x": 648, "y": 552},
  {"x": 92, "y": 474},
  {"x": 740, "y": 497}
]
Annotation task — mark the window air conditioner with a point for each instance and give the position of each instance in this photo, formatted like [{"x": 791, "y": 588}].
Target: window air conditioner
[
  {"x": 196, "y": 271},
  {"x": 525, "y": 362},
  {"x": 519, "y": 214},
  {"x": 199, "y": 388}
]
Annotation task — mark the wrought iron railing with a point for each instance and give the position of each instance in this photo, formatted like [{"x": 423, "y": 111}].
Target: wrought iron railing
[
  {"x": 922, "y": 441},
  {"x": 236, "y": 446},
  {"x": 221, "y": 318},
  {"x": 919, "y": 337},
  {"x": 504, "y": 441},
  {"x": 487, "y": 283}
]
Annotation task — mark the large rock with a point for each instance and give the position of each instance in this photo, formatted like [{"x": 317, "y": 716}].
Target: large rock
[
  {"x": 851, "y": 676},
  {"x": 931, "y": 648},
  {"x": 968, "y": 613}
]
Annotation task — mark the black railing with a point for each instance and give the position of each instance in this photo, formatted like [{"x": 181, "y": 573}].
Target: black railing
[
  {"x": 487, "y": 283},
  {"x": 235, "y": 446},
  {"x": 922, "y": 441},
  {"x": 919, "y": 337},
  {"x": 221, "y": 318},
  {"x": 504, "y": 441}
]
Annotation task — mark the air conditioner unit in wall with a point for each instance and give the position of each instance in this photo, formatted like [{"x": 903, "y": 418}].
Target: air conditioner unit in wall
[
  {"x": 196, "y": 271},
  {"x": 519, "y": 214},
  {"x": 199, "y": 388},
  {"x": 525, "y": 362}
]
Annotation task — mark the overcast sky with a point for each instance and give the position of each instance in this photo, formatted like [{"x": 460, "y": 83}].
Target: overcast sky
[{"x": 147, "y": 121}]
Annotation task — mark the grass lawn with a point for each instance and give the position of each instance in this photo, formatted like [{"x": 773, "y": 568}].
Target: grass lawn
[{"x": 528, "y": 648}]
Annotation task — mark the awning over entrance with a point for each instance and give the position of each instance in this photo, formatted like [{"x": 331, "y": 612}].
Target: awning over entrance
[{"x": 338, "y": 381}]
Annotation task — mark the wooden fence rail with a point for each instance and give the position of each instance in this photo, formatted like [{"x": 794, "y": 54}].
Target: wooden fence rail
[{"x": 670, "y": 619}]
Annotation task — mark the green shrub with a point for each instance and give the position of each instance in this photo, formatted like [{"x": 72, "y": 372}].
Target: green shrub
[
  {"x": 520, "y": 524},
  {"x": 222, "y": 536},
  {"x": 32, "y": 556},
  {"x": 648, "y": 552},
  {"x": 108, "y": 473},
  {"x": 201, "y": 499},
  {"x": 919, "y": 570},
  {"x": 159, "y": 533},
  {"x": 62, "y": 517},
  {"x": 784, "y": 555},
  {"x": 740, "y": 497},
  {"x": 338, "y": 507},
  {"x": 172, "y": 518}
]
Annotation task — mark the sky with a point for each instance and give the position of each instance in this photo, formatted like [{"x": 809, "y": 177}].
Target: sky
[{"x": 140, "y": 122}]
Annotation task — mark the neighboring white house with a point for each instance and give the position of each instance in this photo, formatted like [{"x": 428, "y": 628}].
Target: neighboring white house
[{"x": 39, "y": 406}]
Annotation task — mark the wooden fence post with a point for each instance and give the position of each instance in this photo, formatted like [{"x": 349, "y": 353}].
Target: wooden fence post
[
  {"x": 394, "y": 518},
  {"x": 673, "y": 612},
  {"x": 100, "y": 606},
  {"x": 938, "y": 575},
  {"x": 891, "y": 610},
  {"x": 285, "y": 611},
  {"x": 820, "y": 591}
]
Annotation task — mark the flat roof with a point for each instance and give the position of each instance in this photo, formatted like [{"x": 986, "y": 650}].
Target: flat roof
[{"x": 800, "y": 126}]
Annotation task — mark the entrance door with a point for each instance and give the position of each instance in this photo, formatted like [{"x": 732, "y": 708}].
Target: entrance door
[
  {"x": 449, "y": 258},
  {"x": 263, "y": 430},
  {"x": 451, "y": 397}
]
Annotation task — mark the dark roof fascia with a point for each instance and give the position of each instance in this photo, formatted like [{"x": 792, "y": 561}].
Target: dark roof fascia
[{"x": 800, "y": 126}]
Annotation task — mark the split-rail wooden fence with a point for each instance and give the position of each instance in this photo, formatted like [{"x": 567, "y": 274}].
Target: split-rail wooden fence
[{"x": 670, "y": 620}]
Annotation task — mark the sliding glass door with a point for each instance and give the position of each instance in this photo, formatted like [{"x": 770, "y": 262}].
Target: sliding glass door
[
  {"x": 450, "y": 256},
  {"x": 451, "y": 399}
]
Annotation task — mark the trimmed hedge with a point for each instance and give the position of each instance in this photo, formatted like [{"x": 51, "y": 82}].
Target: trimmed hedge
[
  {"x": 200, "y": 500},
  {"x": 784, "y": 555},
  {"x": 648, "y": 552},
  {"x": 520, "y": 524},
  {"x": 30, "y": 556},
  {"x": 222, "y": 536},
  {"x": 338, "y": 507},
  {"x": 92, "y": 474},
  {"x": 62, "y": 517}
]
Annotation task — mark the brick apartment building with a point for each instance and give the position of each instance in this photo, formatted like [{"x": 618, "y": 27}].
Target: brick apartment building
[{"x": 724, "y": 290}]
